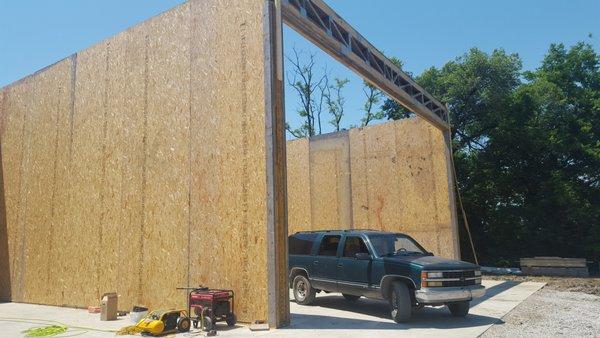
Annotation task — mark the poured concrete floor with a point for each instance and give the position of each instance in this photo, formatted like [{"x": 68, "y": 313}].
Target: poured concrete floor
[{"x": 330, "y": 316}]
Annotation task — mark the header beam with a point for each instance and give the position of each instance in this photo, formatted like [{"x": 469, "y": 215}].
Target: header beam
[{"x": 325, "y": 28}]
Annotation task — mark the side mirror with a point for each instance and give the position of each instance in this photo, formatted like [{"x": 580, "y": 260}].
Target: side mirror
[{"x": 362, "y": 256}]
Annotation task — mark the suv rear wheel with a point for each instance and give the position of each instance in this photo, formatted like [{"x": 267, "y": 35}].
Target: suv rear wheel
[
  {"x": 459, "y": 309},
  {"x": 400, "y": 302},
  {"x": 304, "y": 293}
]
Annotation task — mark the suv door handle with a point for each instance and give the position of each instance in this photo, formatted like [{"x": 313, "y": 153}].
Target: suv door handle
[
  {"x": 315, "y": 262},
  {"x": 340, "y": 265}
]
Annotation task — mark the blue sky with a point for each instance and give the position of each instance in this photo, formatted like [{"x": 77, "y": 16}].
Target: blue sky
[{"x": 424, "y": 33}]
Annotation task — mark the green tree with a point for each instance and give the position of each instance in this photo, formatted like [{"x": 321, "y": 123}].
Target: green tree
[
  {"x": 373, "y": 97},
  {"x": 527, "y": 150},
  {"x": 336, "y": 102}
]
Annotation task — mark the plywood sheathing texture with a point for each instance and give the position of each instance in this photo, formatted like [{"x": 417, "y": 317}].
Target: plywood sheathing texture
[
  {"x": 298, "y": 176},
  {"x": 139, "y": 165},
  {"x": 5, "y": 274},
  {"x": 391, "y": 177}
]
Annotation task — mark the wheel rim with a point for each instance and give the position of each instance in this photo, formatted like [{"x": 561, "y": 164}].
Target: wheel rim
[
  {"x": 394, "y": 303},
  {"x": 301, "y": 289}
]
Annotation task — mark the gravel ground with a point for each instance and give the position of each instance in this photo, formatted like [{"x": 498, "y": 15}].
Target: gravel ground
[{"x": 551, "y": 313}]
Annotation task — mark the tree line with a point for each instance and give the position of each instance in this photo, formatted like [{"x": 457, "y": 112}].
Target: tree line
[{"x": 526, "y": 145}]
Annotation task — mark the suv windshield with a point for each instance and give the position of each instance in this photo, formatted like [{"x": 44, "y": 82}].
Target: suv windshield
[{"x": 392, "y": 244}]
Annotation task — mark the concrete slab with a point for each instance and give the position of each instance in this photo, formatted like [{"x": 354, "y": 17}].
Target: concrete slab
[{"x": 331, "y": 315}]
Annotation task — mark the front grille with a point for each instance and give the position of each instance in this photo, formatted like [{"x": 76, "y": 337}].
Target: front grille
[
  {"x": 459, "y": 274},
  {"x": 458, "y": 283}
]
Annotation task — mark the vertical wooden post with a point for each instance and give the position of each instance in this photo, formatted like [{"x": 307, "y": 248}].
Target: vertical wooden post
[
  {"x": 277, "y": 229},
  {"x": 451, "y": 192}
]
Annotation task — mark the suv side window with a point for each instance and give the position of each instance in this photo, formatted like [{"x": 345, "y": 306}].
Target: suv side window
[
  {"x": 302, "y": 243},
  {"x": 354, "y": 245},
  {"x": 329, "y": 245}
]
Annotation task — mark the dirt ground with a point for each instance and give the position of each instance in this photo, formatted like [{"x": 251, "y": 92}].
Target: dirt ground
[{"x": 585, "y": 285}]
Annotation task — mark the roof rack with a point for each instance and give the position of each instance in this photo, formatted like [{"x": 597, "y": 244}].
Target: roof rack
[{"x": 339, "y": 230}]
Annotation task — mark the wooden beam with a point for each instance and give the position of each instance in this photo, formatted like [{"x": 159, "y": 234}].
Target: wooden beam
[
  {"x": 277, "y": 229},
  {"x": 321, "y": 25}
]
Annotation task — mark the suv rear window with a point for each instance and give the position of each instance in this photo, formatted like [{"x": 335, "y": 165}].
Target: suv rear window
[
  {"x": 301, "y": 244},
  {"x": 329, "y": 245}
]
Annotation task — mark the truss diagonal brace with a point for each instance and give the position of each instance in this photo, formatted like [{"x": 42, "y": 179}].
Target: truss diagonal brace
[{"x": 320, "y": 24}]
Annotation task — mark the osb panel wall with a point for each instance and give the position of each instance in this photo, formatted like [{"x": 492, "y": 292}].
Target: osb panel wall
[
  {"x": 298, "y": 175},
  {"x": 139, "y": 165},
  {"x": 399, "y": 182},
  {"x": 5, "y": 273}
]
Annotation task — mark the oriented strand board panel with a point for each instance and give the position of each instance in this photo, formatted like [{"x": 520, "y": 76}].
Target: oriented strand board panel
[
  {"x": 229, "y": 196},
  {"x": 5, "y": 274},
  {"x": 14, "y": 141},
  {"x": 142, "y": 164},
  {"x": 330, "y": 192},
  {"x": 398, "y": 178},
  {"x": 167, "y": 163},
  {"x": 298, "y": 183}
]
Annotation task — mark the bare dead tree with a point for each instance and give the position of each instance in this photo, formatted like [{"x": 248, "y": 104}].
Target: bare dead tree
[{"x": 309, "y": 86}]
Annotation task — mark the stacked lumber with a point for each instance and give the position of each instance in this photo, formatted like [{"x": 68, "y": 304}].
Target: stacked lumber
[{"x": 555, "y": 266}]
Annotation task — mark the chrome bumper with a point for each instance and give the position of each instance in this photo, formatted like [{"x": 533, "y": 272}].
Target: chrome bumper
[{"x": 440, "y": 295}]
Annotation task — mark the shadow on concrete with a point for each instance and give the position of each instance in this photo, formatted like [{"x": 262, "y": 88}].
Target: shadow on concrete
[
  {"x": 374, "y": 314},
  {"x": 419, "y": 321},
  {"x": 5, "y": 290},
  {"x": 494, "y": 290}
]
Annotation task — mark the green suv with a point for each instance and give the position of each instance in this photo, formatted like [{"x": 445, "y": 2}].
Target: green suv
[{"x": 380, "y": 265}]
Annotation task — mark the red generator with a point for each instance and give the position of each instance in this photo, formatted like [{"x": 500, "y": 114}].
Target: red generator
[{"x": 208, "y": 306}]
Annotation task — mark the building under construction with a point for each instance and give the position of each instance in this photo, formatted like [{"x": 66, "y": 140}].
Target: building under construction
[{"x": 157, "y": 159}]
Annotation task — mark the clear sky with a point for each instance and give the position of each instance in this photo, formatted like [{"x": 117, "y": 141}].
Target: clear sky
[{"x": 34, "y": 34}]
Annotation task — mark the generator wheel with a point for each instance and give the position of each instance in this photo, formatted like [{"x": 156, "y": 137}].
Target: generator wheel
[
  {"x": 230, "y": 319},
  {"x": 208, "y": 324},
  {"x": 183, "y": 324}
]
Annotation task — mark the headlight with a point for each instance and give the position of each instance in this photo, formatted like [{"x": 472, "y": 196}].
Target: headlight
[
  {"x": 435, "y": 275},
  {"x": 477, "y": 272},
  {"x": 478, "y": 281}
]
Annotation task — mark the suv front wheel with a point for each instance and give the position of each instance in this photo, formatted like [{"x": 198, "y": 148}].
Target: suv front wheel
[
  {"x": 400, "y": 303},
  {"x": 304, "y": 293}
]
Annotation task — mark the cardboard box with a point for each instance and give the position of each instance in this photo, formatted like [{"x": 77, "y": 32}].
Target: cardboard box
[{"x": 108, "y": 304}]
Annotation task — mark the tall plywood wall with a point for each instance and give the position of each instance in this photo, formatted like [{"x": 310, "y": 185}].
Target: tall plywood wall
[
  {"x": 140, "y": 165},
  {"x": 392, "y": 177}
]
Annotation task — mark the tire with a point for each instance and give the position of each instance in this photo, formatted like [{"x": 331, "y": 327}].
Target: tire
[
  {"x": 418, "y": 307},
  {"x": 459, "y": 309},
  {"x": 304, "y": 293},
  {"x": 400, "y": 303},
  {"x": 183, "y": 324},
  {"x": 350, "y": 298},
  {"x": 231, "y": 319}
]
